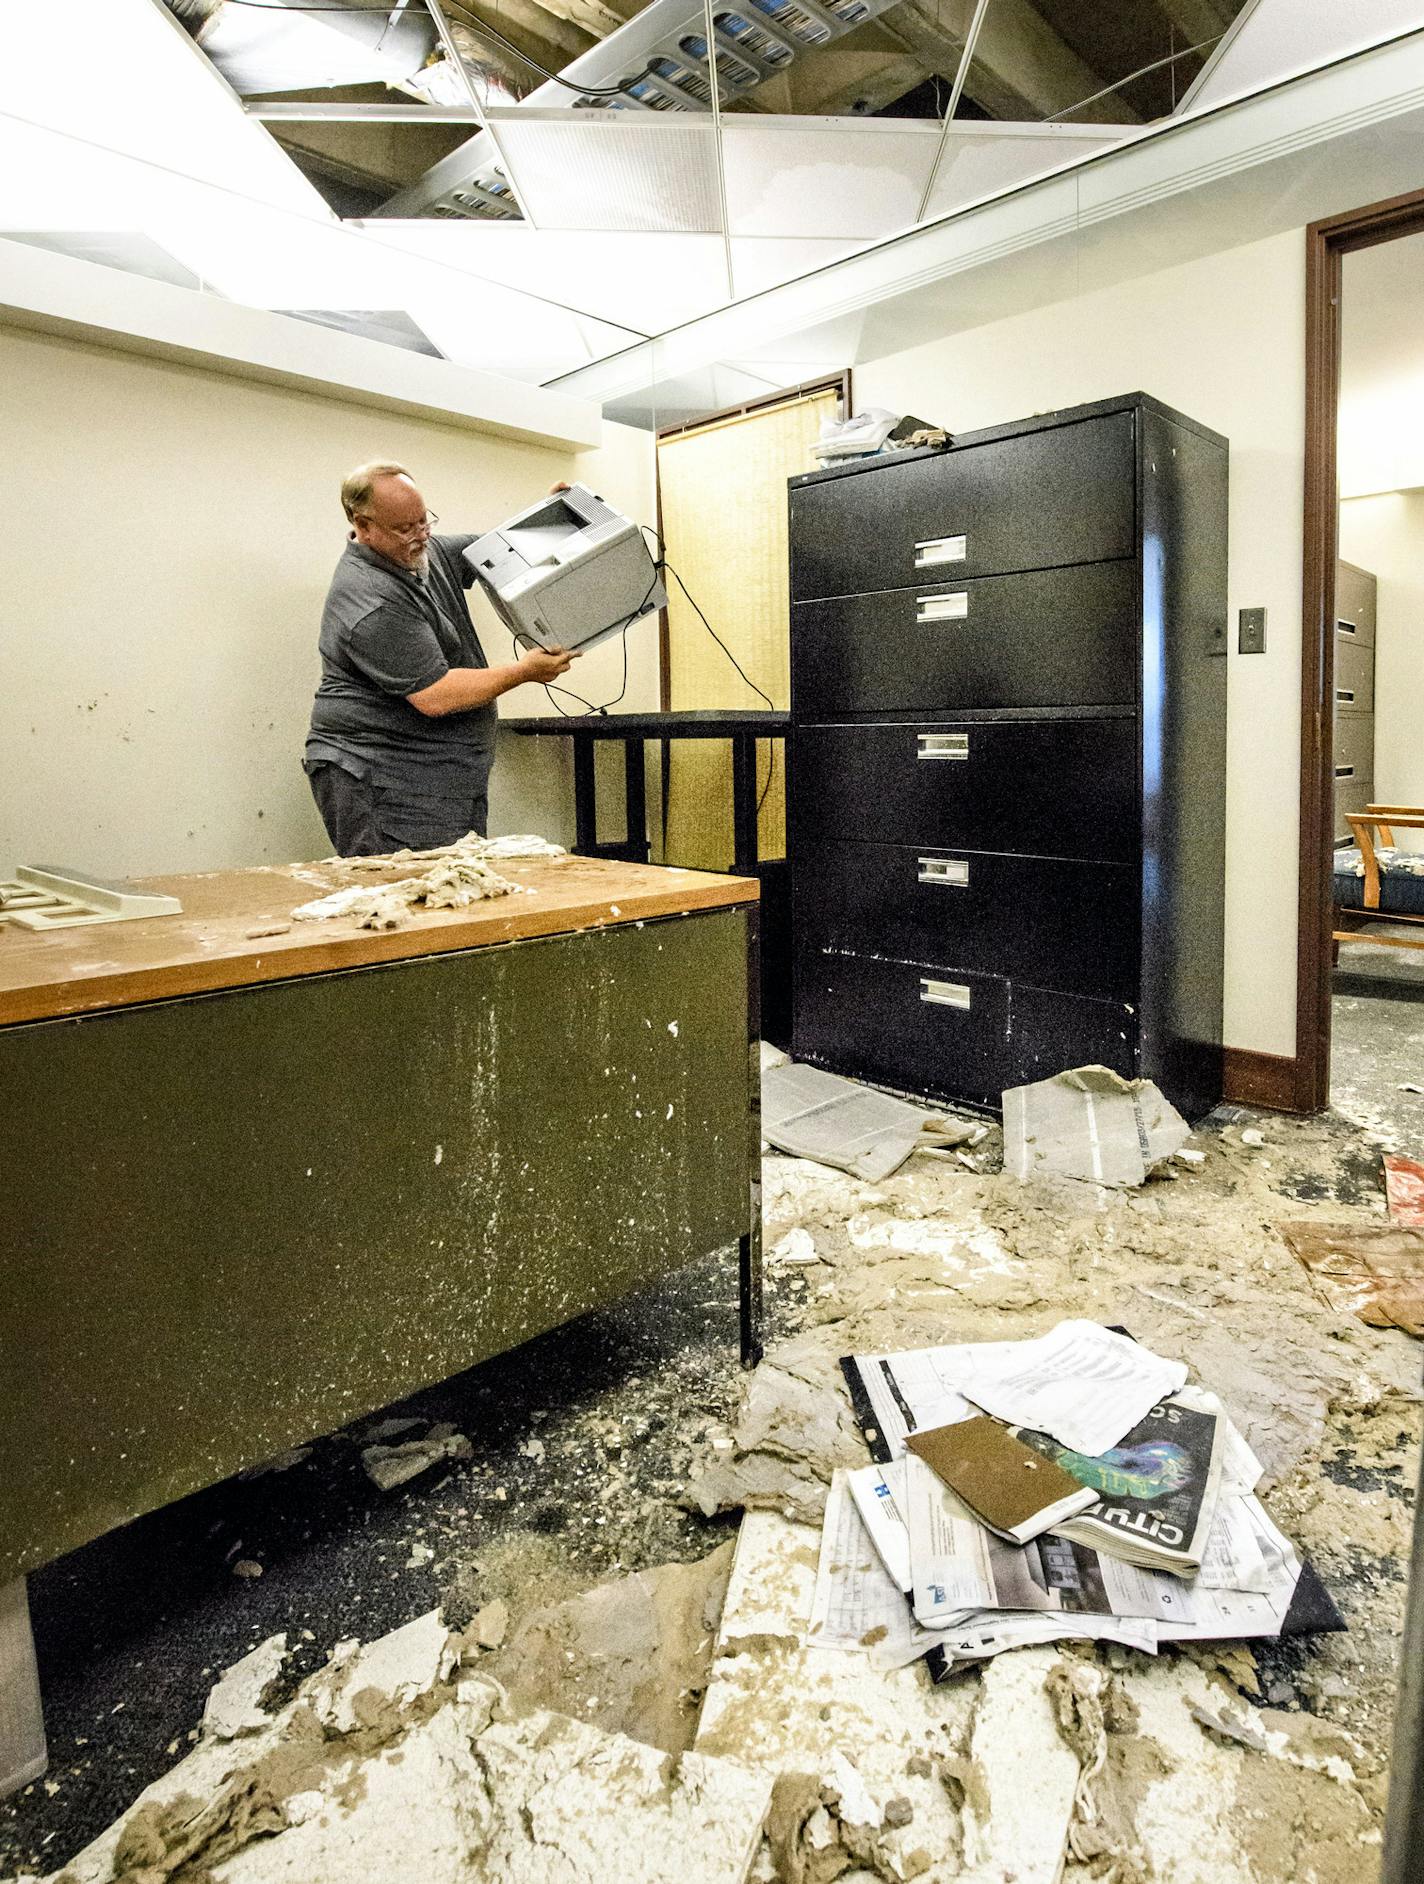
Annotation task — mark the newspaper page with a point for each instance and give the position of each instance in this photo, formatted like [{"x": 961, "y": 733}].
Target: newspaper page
[
  {"x": 1210, "y": 1615},
  {"x": 1233, "y": 1559},
  {"x": 1082, "y": 1384},
  {"x": 1159, "y": 1487},
  {"x": 857, "y": 1605},
  {"x": 879, "y": 1494},
  {"x": 991, "y": 1633},
  {"x": 958, "y": 1565}
]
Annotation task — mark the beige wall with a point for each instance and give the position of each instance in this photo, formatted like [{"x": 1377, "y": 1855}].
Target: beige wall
[
  {"x": 169, "y": 534},
  {"x": 1386, "y": 536},
  {"x": 1222, "y": 339}
]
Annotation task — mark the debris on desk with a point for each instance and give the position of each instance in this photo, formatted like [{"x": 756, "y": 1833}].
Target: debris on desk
[
  {"x": 271, "y": 928},
  {"x": 452, "y": 884},
  {"x": 390, "y": 1466},
  {"x": 1093, "y": 1125},
  {"x": 482, "y": 849}
]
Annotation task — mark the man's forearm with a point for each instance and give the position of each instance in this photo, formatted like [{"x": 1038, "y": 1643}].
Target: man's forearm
[{"x": 463, "y": 688}]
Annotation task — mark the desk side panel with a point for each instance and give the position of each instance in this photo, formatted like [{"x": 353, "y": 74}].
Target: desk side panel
[{"x": 238, "y": 1221}]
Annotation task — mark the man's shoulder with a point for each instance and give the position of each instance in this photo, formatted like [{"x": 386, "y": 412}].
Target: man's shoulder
[{"x": 359, "y": 585}]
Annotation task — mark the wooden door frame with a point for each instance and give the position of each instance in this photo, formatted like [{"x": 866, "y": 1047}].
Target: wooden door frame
[{"x": 1326, "y": 244}]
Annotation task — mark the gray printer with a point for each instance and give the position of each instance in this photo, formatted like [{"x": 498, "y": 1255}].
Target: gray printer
[{"x": 568, "y": 571}]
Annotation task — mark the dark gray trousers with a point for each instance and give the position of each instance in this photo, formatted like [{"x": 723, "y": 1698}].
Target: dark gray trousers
[{"x": 366, "y": 819}]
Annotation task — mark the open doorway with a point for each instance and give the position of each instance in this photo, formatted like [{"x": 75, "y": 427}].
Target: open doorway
[
  {"x": 1360, "y": 993},
  {"x": 1377, "y": 829}
]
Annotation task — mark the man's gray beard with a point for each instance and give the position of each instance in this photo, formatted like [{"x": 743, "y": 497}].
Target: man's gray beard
[{"x": 421, "y": 565}]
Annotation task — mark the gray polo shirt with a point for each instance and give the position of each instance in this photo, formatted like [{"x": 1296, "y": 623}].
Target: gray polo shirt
[{"x": 386, "y": 633}]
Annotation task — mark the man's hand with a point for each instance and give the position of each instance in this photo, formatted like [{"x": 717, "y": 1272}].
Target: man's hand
[{"x": 545, "y": 664}]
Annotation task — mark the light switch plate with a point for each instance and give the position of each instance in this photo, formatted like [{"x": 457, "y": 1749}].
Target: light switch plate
[{"x": 1251, "y": 631}]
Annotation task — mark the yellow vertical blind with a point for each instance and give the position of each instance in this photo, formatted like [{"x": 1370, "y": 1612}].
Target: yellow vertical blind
[{"x": 723, "y": 493}]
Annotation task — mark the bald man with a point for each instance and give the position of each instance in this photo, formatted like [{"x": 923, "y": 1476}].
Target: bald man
[{"x": 403, "y": 725}]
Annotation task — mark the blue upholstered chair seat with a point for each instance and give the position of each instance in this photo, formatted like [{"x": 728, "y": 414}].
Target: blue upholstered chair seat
[{"x": 1401, "y": 880}]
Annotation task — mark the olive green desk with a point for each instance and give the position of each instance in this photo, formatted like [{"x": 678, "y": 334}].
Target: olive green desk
[{"x": 255, "y": 1187}]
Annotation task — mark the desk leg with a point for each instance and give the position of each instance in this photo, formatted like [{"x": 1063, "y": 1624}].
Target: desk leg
[
  {"x": 23, "y": 1754},
  {"x": 635, "y": 798},
  {"x": 585, "y": 797},
  {"x": 744, "y": 807},
  {"x": 749, "y": 1244}
]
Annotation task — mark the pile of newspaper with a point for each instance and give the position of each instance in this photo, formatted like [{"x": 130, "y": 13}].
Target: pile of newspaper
[{"x": 1178, "y": 1547}]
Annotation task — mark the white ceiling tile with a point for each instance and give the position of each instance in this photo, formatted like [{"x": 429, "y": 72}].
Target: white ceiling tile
[
  {"x": 613, "y": 170},
  {"x": 830, "y": 178},
  {"x": 1276, "y": 39},
  {"x": 982, "y": 160}
]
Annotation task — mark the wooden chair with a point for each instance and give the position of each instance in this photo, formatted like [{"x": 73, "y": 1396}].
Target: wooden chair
[{"x": 1373, "y": 827}]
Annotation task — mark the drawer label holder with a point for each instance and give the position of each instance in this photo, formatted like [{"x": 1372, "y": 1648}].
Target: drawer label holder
[
  {"x": 941, "y": 549},
  {"x": 952, "y": 870},
  {"x": 942, "y": 745},
  {"x": 945, "y": 993},
  {"x": 953, "y": 607}
]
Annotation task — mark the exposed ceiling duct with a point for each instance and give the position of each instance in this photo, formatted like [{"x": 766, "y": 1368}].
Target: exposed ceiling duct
[
  {"x": 278, "y": 47},
  {"x": 662, "y": 61}
]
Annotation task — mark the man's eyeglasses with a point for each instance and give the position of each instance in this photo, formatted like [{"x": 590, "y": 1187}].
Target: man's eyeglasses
[{"x": 407, "y": 532}]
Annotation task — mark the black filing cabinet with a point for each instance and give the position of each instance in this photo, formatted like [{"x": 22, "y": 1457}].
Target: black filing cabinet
[{"x": 1008, "y": 756}]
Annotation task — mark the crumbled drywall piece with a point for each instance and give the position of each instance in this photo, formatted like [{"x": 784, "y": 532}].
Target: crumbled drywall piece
[
  {"x": 630, "y": 1656},
  {"x": 794, "y": 1428},
  {"x": 1090, "y": 1124},
  {"x": 797, "y": 1246},
  {"x": 1020, "y": 1779},
  {"x": 390, "y": 1466},
  {"x": 234, "y": 1705},
  {"x": 491, "y": 1625},
  {"x": 865, "y": 1762}
]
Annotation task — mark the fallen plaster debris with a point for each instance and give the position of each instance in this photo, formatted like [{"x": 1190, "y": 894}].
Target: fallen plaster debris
[
  {"x": 1090, "y": 1124},
  {"x": 234, "y": 1705},
  {"x": 630, "y": 1656},
  {"x": 794, "y": 1428},
  {"x": 797, "y": 1246},
  {"x": 395, "y": 1762},
  {"x": 390, "y": 1466},
  {"x": 880, "y": 1774}
]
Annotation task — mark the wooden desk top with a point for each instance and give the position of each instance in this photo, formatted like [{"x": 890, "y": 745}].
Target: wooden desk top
[{"x": 44, "y": 976}]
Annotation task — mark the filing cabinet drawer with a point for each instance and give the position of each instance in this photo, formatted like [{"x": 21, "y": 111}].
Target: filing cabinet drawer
[
  {"x": 1355, "y": 597},
  {"x": 1050, "y": 1032},
  {"x": 908, "y": 1024},
  {"x": 1064, "y": 494},
  {"x": 1055, "y": 788},
  {"x": 1351, "y": 795},
  {"x": 1066, "y": 925},
  {"x": 1354, "y": 677},
  {"x": 1058, "y": 637},
  {"x": 1354, "y": 759}
]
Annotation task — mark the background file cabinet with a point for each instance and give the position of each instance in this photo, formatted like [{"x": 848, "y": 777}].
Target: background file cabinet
[
  {"x": 1355, "y": 602},
  {"x": 1007, "y": 778}
]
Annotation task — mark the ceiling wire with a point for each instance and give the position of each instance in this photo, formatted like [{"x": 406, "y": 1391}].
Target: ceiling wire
[
  {"x": 1141, "y": 72},
  {"x": 717, "y": 149},
  {"x": 956, "y": 91}
]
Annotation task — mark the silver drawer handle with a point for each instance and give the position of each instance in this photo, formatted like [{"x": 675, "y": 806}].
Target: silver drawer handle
[
  {"x": 1346, "y": 628},
  {"x": 942, "y": 745},
  {"x": 944, "y": 870},
  {"x": 1344, "y": 693},
  {"x": 942, "y": 607},
  {"x": 941, "y": 549},
  {"x": 945, "y": 993},
  {"x": 1344, "y": 771}
]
